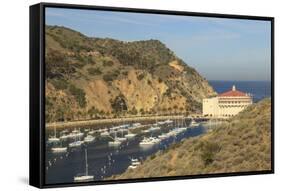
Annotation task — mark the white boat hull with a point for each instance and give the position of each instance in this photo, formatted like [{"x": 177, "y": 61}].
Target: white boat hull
[
  {"x": 121, "y": 139},
  {"x": 89, "y": 139},
  {"x": 83, "y": 178},
  {"x": 59, "y": 149},
  {"x": 130, "y": 136},
  {"x": 104, "y": 134},
  {"x": 114, "y": 143},
  {"x": 53, "y": 140},
  {"x": 75, "y": 144}
]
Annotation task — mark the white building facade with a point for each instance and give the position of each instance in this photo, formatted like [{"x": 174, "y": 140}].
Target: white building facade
[{"x": 227, "y": 104}]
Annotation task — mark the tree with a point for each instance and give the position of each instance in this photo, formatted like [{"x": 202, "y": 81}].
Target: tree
[{"x": 134, "y": 111}]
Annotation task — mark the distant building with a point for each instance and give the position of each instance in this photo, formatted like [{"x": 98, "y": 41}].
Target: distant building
[{"x": 226, "y": 104}]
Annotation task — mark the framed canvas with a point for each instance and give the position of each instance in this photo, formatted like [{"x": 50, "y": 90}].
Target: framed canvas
[{"x": 122, "y": 95}]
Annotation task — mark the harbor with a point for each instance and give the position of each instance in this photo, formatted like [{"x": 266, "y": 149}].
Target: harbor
[
  {"x": 111, "y": 150},
  {"x": 96, "y": 150}
]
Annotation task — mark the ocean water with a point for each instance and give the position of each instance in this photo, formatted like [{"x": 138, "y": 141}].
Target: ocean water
[{"x": 258, "y": 89}]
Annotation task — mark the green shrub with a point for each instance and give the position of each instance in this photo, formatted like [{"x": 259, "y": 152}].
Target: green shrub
[
  {"x": 57, "y": 65},
  {"x": 94, "y": 71},
  {"x": 92, "y": 111},
  {"x": 134, "y": 111},
  {"x": 125, "y": 73},
  {"x": 119, "y": 104},
  {"x": 140, "y": 76},
  {"x": 59, "y": 114},
  {"x": 60, "y": 84},
  {"x": 79, "y": 95},
  {"x": 108, "y": 63},
  {"x": 111, "y": 76},
  {"x": 208, "y": 151},
  {"x": 84, "y": 59},
  {"x": 108, "y": 77}
]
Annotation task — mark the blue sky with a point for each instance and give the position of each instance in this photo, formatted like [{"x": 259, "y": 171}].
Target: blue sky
[{"x": 219, "y": 49}]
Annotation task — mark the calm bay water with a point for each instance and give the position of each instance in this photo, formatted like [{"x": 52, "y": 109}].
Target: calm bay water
[
  {"x": 105, "y": 161},
  {"x": 259, "y": 89}
]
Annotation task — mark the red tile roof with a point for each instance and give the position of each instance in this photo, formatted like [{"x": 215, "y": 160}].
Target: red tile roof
[{"x": 232, "y": 93}]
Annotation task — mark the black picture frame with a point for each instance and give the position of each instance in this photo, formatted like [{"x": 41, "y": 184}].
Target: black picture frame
[{"x": 37, "y": 92}]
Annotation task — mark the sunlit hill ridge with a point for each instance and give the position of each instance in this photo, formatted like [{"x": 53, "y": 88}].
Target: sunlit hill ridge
[{"x": 92, "y": 78}]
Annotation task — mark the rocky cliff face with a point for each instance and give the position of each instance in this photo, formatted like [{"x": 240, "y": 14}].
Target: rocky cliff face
[{"x": 99, "y": 78}]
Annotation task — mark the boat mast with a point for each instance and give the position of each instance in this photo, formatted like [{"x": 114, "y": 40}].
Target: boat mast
[{"x": 86, "y": 161}]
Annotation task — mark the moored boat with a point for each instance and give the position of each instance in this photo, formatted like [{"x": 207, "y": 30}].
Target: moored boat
[
  {"x": 149, "y": 141},
  {"x": 193, "y": 123},
  {"x": 84, "y": 177},
  {"x": 89, "y": 138},
  {"x": 104, "y": 133},
  {"x": 76, "y": 144},
  {"x": 54, "y": 139},
  {"x": 59, "y": 149},
  {"x": 130, "y": 135}
]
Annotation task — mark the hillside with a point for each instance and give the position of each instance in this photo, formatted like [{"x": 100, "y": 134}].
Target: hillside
[
  {"x": 88, "y": 78},
  {"x": 244, "y": 144}
]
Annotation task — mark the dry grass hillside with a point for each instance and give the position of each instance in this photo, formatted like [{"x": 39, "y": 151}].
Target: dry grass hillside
[
  {"x": 244, "y": 144},
  {"x": 90, "y": 78}
]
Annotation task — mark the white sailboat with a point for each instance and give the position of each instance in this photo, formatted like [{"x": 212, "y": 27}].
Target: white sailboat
[
  {"x": 163, "y": 136},
  {"x": 59, "y": 149},
  {"x": 172, "y": 133},
  {"x": 76, "y": 143},
  {"x": 168, "y": 121},
  {"x": 149, "y": 141},
  {"x": 84, "y": 177},
  {"x": 89, "y": 139},
  {"x": 91, "y": 132},
  {"x": 130, "y": 135},
  {"x": 64, "y": 137},
  {"x": 75, "y": 133},
  {"x": 53, "y": 139},
  {"x": 193, "y": 123},
  {"x": 136, "y": 124},
  {"x": 104, "y": 133},
  {"x": 154, "y": 128},
  {"x": 115, "y": 142},
  {"x": 134, "y": 163},
  {"x": 122, "y": 138},
  {"x": 122, "y": 130},
  {"x": 182, "y": 127},
  {"x": 145, "y": 131}
]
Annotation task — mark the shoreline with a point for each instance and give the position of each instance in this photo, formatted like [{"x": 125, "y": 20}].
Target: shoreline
[{"x": 86, "y": 123}]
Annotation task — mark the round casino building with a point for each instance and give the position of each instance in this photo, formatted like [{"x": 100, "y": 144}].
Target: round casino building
[{"x": 226, "y": 104}]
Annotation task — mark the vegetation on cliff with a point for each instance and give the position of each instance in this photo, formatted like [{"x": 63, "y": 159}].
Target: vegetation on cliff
[
  {"x": 243, "y": 144},
  {"x": 90, "y": 78}
]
